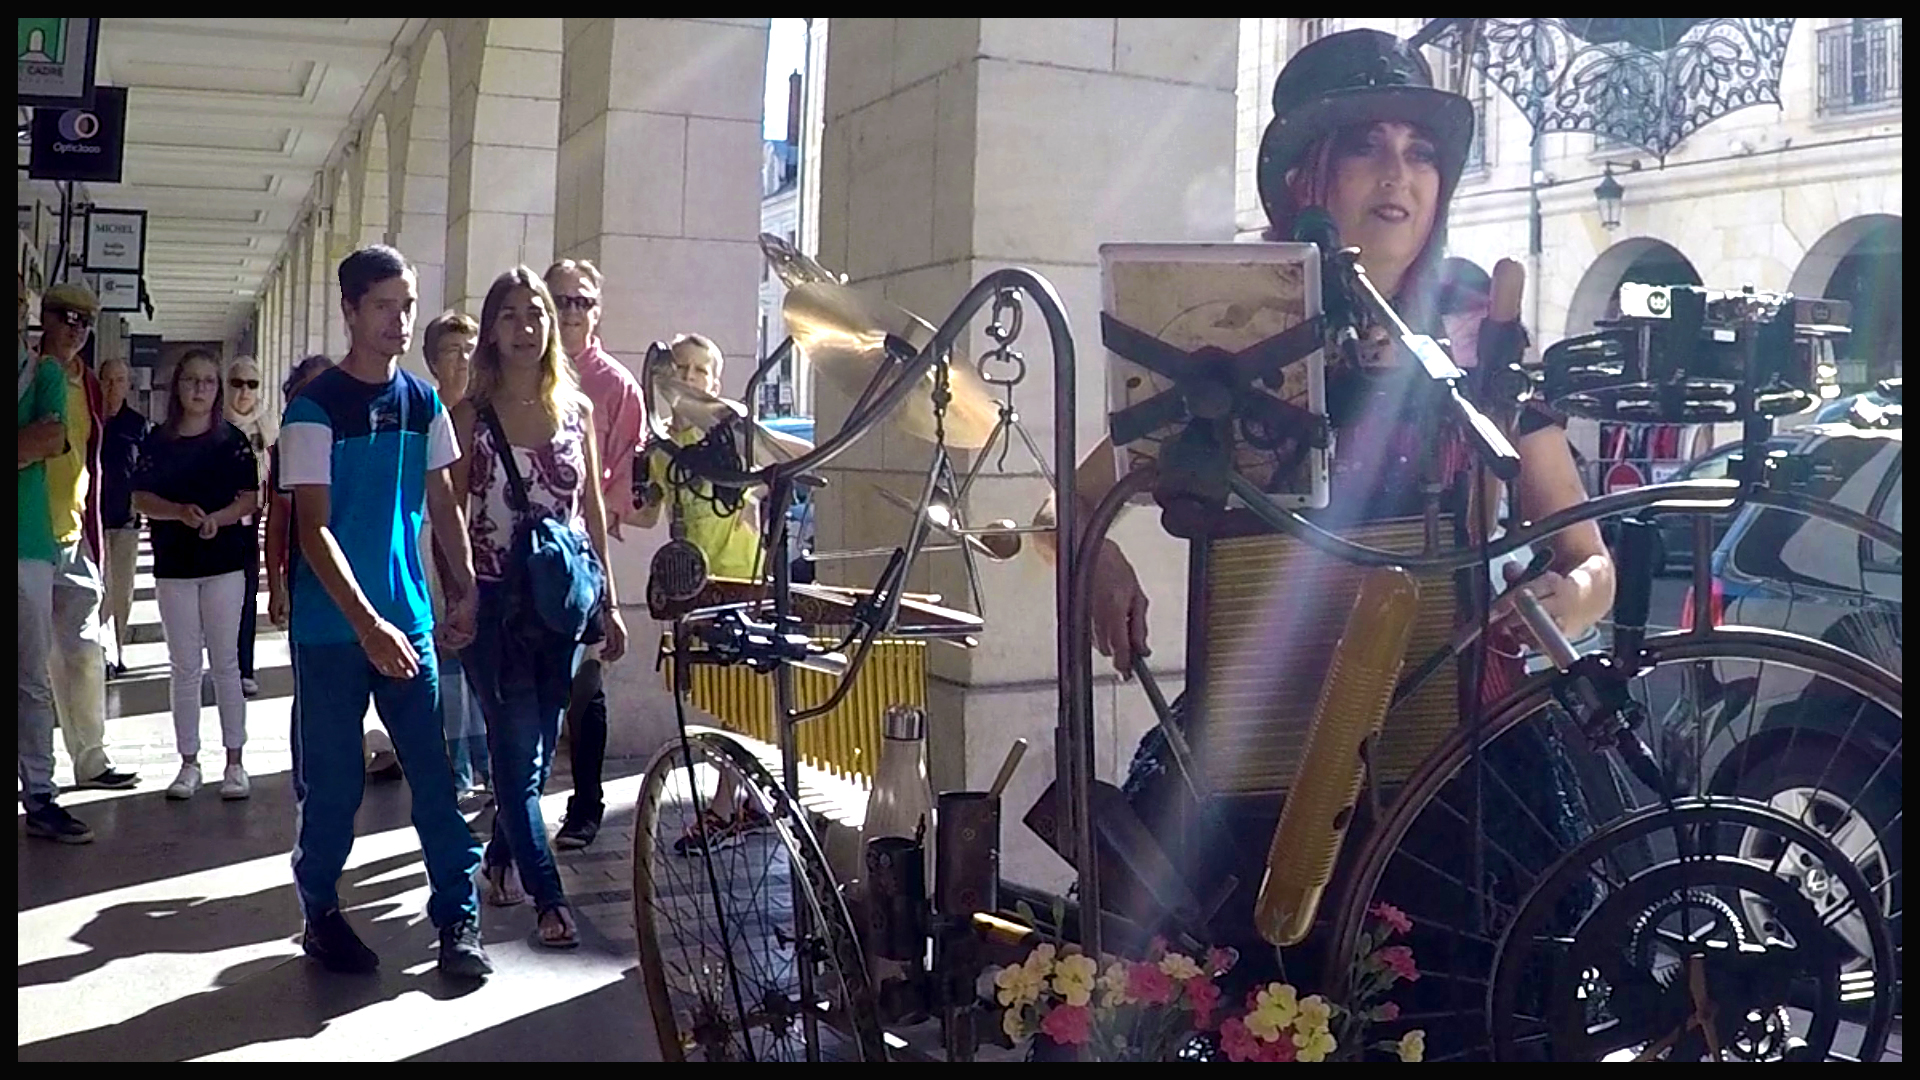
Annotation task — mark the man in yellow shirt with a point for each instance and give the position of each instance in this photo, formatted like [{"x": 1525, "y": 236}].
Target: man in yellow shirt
[{"x": 78, "y": 660}]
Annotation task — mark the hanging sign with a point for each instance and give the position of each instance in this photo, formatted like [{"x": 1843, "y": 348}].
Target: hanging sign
[
  {"x": 85, "y": 144},
  {"x": 116, "y": 241},
  {"x": 57, "y": 59},
  {"x": 117, "y": 292}
]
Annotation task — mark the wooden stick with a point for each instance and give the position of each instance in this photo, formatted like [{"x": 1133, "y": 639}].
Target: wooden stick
[{"x": 1014, "y": 755}]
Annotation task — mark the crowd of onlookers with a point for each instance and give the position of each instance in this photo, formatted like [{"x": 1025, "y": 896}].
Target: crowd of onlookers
[{"x": 394, "y": 514}]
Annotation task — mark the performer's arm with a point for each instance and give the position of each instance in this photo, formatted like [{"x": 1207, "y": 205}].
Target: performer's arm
[{"x": 1091, "y": 481}]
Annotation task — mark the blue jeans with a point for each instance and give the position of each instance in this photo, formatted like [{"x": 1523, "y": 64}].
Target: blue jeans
[
  {"x": 523, "y": 688},
  {"x": 466, "y": 727},
  {"x": 331, "y": 687}
]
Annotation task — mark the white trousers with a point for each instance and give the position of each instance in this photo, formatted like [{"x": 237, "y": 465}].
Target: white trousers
[
  {"x": 202, "y": 616},
  {"x": 77, "y": 663},
  {"x": 123, "y": 551}
]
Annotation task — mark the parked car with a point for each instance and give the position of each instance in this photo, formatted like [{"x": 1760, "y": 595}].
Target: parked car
[
  {"x": 1797, "y": 741},
  {"x": 800, "y": 514},
  {"x": 1674, "y": 552},
  {"x": 1875, "y": 408}
]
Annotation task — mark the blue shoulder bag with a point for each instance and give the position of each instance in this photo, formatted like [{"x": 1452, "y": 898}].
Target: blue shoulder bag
[{"x": 553, "y": 567}]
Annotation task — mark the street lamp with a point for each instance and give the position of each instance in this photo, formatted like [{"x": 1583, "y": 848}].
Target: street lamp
[{"x": 1610, "y": 194}]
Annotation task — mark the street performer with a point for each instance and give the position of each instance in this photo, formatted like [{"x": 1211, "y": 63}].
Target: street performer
[{"x": 1361, "y": 132}]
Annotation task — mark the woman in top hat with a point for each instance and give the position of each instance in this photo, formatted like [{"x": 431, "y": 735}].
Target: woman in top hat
[{"x": 1360, "y": 131}]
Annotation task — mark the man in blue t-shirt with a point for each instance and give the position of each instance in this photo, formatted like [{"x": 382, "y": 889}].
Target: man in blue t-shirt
[{"x": 362, "y": 448}]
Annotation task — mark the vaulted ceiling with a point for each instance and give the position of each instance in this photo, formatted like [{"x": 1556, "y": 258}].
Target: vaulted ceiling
[{"x": 229, "y": 124}]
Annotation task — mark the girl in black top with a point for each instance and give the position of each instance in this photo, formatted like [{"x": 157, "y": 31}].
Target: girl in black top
[{"x": 198, "y": 482}]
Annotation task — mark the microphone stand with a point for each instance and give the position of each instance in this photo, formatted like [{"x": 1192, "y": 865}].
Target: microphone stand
[{"x": 1346, "y": 274}]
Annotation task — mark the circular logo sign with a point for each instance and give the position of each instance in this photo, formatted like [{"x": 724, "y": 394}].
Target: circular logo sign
[
  {"x": 1657, "y": 301},
  {"x": 79, "y": 124},
  {"x": 1623, "y": 477}
]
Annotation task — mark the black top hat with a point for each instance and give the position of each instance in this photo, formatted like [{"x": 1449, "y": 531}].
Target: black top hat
[{"x": 1359, "y": 77}]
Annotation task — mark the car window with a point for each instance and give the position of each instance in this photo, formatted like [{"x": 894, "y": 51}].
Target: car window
[
  {"x": 1880, "y": 554},
  {"x": 1792, "y": 549}
]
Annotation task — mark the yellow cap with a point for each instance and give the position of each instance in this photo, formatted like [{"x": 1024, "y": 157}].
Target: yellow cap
[{"x": 71, "y": 296}]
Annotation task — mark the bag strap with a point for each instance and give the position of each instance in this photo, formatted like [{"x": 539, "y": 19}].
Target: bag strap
[{"x": 516, "y": 487}]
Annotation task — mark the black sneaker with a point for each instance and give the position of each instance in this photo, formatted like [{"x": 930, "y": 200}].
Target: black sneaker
[
  {"x": 330, "y": 939},
  {"x": 111, "y": 779},
  {"x": 577, "y": 831},
  {"x": 461, "y": 955},
  {"x": 52, "y": 822}
]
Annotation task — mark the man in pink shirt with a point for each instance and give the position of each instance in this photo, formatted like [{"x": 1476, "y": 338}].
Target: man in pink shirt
[{"x": 619, "y": 411}]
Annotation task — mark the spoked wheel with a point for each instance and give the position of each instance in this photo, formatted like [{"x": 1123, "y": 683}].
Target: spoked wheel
[
  {"x": 1664, "y": 967},
  {"x": 720, "y": 949},
  {"x": 1473, "y": 842}
]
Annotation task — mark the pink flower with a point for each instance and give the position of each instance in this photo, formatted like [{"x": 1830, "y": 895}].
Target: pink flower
[
  {"x": 1399, "y": 960},
  {"x": 1238, "y": 1043},
  {"x": 1147, "y": 984},
  {"x": 1204, "y": 996},
  {"x": 1392, "y": 916},
  {"x": 1388, "y": 1012},
  {"x": 1068, "y": 1025},
  {"x": 1220, "y": 961},
  {"x": 1284, "y": 1050}
]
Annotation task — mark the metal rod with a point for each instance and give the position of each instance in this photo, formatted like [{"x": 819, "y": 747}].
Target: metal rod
[
  {"x": 1076, "y": 682},
  {"x": 783, "y": 706}
]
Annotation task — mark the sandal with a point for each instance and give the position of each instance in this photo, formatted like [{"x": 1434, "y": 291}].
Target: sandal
[
  {"x": 568, "y": 938},
  {"x": 503, "y": 887}
]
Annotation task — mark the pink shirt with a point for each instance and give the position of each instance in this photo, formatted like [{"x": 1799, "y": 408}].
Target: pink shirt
[{"x": 619, "y": 414}]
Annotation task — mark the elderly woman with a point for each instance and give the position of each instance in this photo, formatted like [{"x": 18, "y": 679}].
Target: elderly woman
[{"x": 247, "y": 410}]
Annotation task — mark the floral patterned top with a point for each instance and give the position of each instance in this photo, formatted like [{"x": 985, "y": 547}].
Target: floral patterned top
[{"x": 555, "y": 476}]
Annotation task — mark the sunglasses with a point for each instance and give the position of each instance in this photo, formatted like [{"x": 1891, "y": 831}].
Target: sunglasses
[
  {"x": 576, "y": 303},
  {"x": 78, "y": 320},
  {"x": 244, "y": 384}
]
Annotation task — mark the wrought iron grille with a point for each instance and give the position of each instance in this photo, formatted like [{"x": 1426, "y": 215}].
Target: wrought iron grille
[{"x": 1859, "y": 66}]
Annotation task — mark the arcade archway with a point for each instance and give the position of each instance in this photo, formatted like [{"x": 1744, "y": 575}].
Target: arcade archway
[{"x": 1859, "y": 261}]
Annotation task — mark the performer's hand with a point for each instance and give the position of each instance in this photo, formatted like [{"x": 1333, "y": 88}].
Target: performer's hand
[
  {"x": 1558, "y": 597},
  {"x": 1119, "y": 610}
]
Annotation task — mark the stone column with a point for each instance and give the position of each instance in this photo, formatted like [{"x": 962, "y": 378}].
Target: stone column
[
  {"x": 660, "y": 135},
  {"x": 506, "y": 101},
  {"x": 957, "y": 146}
]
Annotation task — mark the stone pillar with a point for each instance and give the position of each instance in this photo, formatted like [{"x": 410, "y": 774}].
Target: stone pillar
[
  {"x": 957, "y": 146},
  {"x": 299, "y": 280},
  {"x": 317, "y": 274},
  {"x": 505, "y": 116},
  {"x": 660, "y": 134}
]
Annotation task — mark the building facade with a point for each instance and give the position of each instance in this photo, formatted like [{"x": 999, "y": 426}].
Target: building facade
[{"x": 1805, "y": 196}]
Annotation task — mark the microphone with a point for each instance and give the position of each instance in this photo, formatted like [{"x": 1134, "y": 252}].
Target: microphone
[
  {"x": 1339, "y": 311},
  {"x": 1326, "y": 783}
]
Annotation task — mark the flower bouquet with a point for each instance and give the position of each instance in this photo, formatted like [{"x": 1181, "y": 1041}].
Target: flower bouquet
[
  {"x": 1280, "y": 1025},
  {"x": 1121, "y": 1010}
]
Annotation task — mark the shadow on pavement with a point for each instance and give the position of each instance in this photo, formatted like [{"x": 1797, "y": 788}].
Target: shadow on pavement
[
  {"x": 147, "y": 837},
  {"x": 608, "y": 1024}
]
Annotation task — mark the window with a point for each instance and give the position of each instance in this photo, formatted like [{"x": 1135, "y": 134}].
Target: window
[
  {"x": 1308, "y": 31},
  {"x": 1457, "y": 72},
  {"x": 1859, "y": 65}
]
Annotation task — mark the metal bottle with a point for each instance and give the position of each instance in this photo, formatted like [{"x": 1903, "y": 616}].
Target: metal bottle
[{"x": 901, "y": 802}]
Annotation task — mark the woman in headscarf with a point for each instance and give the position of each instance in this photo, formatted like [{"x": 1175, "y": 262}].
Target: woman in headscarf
[{"x": 247, "y": 410}]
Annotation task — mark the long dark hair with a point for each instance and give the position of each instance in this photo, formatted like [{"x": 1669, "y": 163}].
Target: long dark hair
[
  {"x": 303, "y": 373},
  {"x": 171, "y": 425},
  {"x": 1310, "y": 182}
]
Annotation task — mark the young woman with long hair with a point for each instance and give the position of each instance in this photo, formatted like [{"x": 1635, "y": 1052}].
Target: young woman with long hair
[
  {"x": 198, "y": 482},
  {"x": 521, "y": 672}
]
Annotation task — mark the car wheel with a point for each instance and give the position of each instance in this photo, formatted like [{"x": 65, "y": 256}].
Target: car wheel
[{"x": 1827, "y": 788}]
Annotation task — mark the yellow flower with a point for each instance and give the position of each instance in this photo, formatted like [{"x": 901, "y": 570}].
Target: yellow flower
[
  {"x": 1040, "y": 961},
  {"x": 1179, "y": 966},
  {"x": 1313, "y": 1045},
  {"x": 1413, "y": 1045},
  {"x": 1018, "y": 985},
  {"x": 1073, "y": 979},
  {"x": 1315, "y": 1014},
  {"x": 1013, "y": 1025},
  {"x": 1114, "y": 983},
  {"x": 1274, "y": 1009}
]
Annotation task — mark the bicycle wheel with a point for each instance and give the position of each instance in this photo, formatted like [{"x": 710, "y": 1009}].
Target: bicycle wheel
[
  {"x": 714, "y": 909},
  {"x": 1810, "y": 878}
]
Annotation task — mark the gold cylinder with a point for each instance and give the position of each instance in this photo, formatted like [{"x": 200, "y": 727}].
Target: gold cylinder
[{"x": 1352, "y": 706}]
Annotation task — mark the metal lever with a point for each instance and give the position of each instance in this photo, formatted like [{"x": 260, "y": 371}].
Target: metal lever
[{"x": 1545, "y": 630}]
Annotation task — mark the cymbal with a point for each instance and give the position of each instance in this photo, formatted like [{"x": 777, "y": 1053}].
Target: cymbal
[
  {"x": 675, "y": 402},
  {"x": 792, "y": 266},
  {"x": 843, "y": 333}
]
